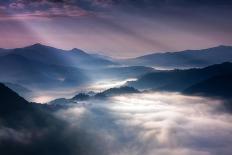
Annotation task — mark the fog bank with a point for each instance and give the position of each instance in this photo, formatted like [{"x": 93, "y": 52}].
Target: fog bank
[{"x": 153, "y": 123}]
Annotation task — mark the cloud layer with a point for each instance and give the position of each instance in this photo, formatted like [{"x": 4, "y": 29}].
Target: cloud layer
[
  {"x": 54, "y": 8},
  {"x": 154, "y": 124},
  {"x": 147, "y": 123}
]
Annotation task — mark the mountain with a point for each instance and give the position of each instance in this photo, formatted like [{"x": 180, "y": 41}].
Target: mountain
[
  {"x": 89, "y": 60},
  {"x": 184, "y": 59},
  {"x": 43, "y": 67},
  {"x": 81, "y": 97},
  {"x": 21, "y": 90},
  {"x": 16, "y": 112},
  {"x": 217, "y": 86},
  {"x": 54, "y": 56},
  {"x": 4, "y": 51},
  {"x": 36, "y": 74},
  {"x": 57, "y": 103},
  {"x": 29, "y": 128},
  {"x": 179, "y": 80},
  {"x": 10, "y": 102},
  {"x": 117, "y": 91}
]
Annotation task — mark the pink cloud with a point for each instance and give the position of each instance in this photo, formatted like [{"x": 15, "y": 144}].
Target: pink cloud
[
  {"x": 29, "y": 9},
  {"x": 17, "y": 5},
  {"x": 2, "y": 7},
  {"x": 42, "y": 9}
]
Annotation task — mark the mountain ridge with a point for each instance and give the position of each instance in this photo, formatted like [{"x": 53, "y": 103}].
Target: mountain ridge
[
  {"x": 21, "y": 70},
  {"x": 179, "y": 80},
  {"x": 52, "y": 55},
  {"x": 186, "y": 58}
]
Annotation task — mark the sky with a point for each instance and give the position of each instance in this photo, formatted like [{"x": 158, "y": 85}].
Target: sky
[{"x": 118, "y": 28}]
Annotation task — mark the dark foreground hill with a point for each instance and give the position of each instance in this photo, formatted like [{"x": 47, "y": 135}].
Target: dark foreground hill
[
  {"x": 22, "y": 125},
  {"x": 11, "y": 103},
  {"x": 215, "y": 76},
  {"x": 217, "y": 86},
  {"x": 27, "y": 128}
]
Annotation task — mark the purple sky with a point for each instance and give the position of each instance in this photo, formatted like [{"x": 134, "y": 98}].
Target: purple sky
[{"x": 119, "y": 28}]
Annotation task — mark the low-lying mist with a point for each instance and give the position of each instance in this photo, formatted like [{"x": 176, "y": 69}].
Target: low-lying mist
[
  {"x": 151, "y": 123},
  {"x": 42, "y": 96}
]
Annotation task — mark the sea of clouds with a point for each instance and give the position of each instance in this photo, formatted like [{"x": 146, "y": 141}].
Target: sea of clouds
[{"x": 150, "y": 123}]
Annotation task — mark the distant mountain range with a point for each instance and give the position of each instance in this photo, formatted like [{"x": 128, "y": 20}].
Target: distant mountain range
[
  {"x": 184, "y": 59},
  {"x": 18, "y": 69},
  {"x": 54, "y": 56},
  {"x": 40, "y": 64},
  {"x": 213, "y": 80},
  {"x": 46, "y": 67},
  {"x": 40, "y": 67},
  {"x": 43, "y": 67}
]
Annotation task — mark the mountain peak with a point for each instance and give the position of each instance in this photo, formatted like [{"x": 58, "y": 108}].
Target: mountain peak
[
  {"x": 36, "y": 46},
  {"x": 78, "y": 51},
  {"x": 223, "y": 46},
  {"x": 39, "y": 46}
]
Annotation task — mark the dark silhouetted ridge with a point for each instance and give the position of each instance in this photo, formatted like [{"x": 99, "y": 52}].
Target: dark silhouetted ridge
[
  {"x": 81, "y": 97},
  {"x": 217, "y": 86},
  {"x": 38, "y": 46},
  {"x": 117, "y": 91},
  {"x": 10, "y": 101},
  {"x": 179, "y": 80}
]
